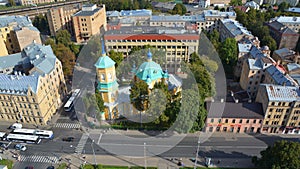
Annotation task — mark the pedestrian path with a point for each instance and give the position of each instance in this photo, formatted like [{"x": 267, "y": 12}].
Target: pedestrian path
[
  {"x": 81, "y": 143},
  {"x": 39, "y": 159},
  {"x": 67, "y": 125}
]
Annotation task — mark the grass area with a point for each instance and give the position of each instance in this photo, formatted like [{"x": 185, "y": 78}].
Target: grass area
[
  {"x": 6, "y": 162},
  {"x": 114, "y": 167},
  {"x": 62, "y": 166}
]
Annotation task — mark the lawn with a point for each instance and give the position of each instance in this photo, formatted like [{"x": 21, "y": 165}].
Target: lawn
[
  {"x": 6, "y": 162},
  {"x": 114, "y": 167}
]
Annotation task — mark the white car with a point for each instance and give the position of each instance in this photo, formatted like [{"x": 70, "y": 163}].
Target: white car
[{"x": 20, "y": 147}]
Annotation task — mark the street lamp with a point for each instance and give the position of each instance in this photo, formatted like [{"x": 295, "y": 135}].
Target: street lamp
[
  {"x": 145, "y": 156},
  {"x": 197, "y": 152},
  {"x": 94, "y": 152}
]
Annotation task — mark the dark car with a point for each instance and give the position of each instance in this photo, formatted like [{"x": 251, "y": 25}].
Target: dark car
[
  {"x": 29, "y": 167},
  {"x": 50, "y": 167},
  {"x": 68, "y": 139}
]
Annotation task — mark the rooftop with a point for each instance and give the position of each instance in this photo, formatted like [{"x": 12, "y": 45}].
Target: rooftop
[
  {"x": 40, "y": 57},
  {"x": 235, "y": 27},
  {"x": 287, "y": 19},
  {"x": 283, "y": 52},
  {"x": 17, "y": 22},
  {"x": 278, "y": 76},
  {"x": 138, "y": 12},
  {"x": 216, "y": 13},
  {"x": 294, "y": 9},
  {"x": 244, "y": 48},
  {"x": 293, "y": 67},
  {"x": 234, "y": 110},
  {"x": 281, "y": 93},
  {"x": 85, "y": 12},
  {"x": 280, "y": 27}
]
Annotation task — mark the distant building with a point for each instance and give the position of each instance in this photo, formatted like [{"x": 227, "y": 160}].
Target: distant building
[
  {"x": 252, "y": 4},
  {"x": 285, "y": 56},
  {"x": 204, "y": 3},
  {"x": 139, "y": 17},
  {"x": 253, "y": 71},
  {"x": 178, "y": 43},
  {"x": 32, "y": 85},
  {"x": 232, "y": 29},
  {"x": 291, "y": 22},
  {"x": 88, "y": 22},
  {"x": 284, "y": 36},
  {"x": 234, "y": 115},
  {"x": 60, "y": 18},
  {"x": 281, "y": 107},
  {"x": 35, "y": 2},
  {"x": 16, "y": 33},
  {"x": 163, "y": 6}
]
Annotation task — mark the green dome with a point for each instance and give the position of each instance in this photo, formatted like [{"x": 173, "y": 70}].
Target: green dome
[
  {"x": 104, "y": 62},
  {"x": 149, "y": 69}
]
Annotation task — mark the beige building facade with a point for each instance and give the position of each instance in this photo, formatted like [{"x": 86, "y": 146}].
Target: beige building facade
[
  {"x": 32, "y": 85},
  {"x": 60, "y": 18},
  {"x": 32, "y": 2},
  {"x": 281, "y": 107},
  {"x": 178, "y": 46},
  {"x": 16, "y": 32},
  {"x": 88, "y": 22}
]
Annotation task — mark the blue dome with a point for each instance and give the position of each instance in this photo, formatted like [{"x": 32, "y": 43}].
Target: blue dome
[{"x": 149, "y": 55}]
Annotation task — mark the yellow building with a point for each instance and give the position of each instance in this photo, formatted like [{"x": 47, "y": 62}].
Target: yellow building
[
  {"x": 32, "y": 85},
  {"x": 60, "y": 18},
  {"x": 16, "y": 32},
  {"x": 281, "y": 107},
  {"x": 88, "y": 22},
  {"x": 107, "y": 84},
  {"x": 34, "y": 2}
]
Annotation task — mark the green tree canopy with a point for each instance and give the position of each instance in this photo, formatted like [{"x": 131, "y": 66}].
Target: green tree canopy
[
  {"x": 235, "y": 2},
  {"x": 64, "y": 37},
  {"x": 282, "y": 155},
  {"x": 41, "y": 23},
  {"x": 179, "y": 9},
  {"x": 116, "y": 56}
]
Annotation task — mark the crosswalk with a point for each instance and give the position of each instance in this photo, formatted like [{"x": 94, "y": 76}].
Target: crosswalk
[
  {"x": 81, "y": 143},
  {"x": 39, "y": 159},
  {"x": 67, "y": 125}
]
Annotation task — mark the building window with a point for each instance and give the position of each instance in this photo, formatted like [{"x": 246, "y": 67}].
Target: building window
[
  {"x": 247, "y": 121},
  {"x": 233, "y": 121},
  {"x": 211, "y": 120},
  {"x": 245, "y": 130},
  {"x": 226, "y": 120},
  {"x": 241, "y": 120},
  {"x": 211, "y": 129},
  {"x": 224, "y": 129}
]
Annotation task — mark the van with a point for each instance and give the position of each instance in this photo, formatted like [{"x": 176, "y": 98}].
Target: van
[{"x": 16, "y": 126}]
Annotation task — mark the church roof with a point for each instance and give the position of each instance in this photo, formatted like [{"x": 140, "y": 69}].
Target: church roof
[
  {"x": 150, "y": 70},
  {"x": 104, "y": 61}
]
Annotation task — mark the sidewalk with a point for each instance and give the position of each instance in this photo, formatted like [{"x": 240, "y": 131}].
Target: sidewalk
[{"x": 161, "y": 163}]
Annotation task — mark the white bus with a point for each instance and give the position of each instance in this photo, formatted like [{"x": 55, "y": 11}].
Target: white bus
[
  {"x": 23, "y": 138},
  {"x": 70, "y": 103},
  {"x": 34, "y": 132},
  {"x": 2, "y": 136}
]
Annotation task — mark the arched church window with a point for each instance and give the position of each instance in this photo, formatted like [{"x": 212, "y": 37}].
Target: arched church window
[
  {"x": 109, "y": 76},
  {"x": 102, "y": 77}
]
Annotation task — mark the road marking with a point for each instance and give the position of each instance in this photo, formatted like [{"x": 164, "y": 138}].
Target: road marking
[{"x": 99, "y": 138}]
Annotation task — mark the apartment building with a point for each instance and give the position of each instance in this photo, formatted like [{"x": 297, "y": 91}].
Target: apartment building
[
  {"x": 230, "y": 28},
  {"x": 235, "y": 115},
  {"x": 281, "y": 108},
  {"x": 291, "y": 22},
  {"x": 60, "y": 18},
  {"x": 140, "y": 16},
  {"x": 32, "y": 2},
  {"x": 16, "y": 32},
  {"x": 177, "y": 43},
  {"x": 253, "y": 74},
  {"x": 32, "y": 85},
  {"x": 276, "y": 74},
  {"x": 283, "y": 35},
  {"x": 88, "y": 22}
]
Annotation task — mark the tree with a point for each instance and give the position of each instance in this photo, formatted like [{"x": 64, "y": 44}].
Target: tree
[
  {"x": 64, "y": 37},
  {"x": 235, "y": 2},
  {"x": 12, "y": 2},
  {"x": 41, "y": 23},
  {"x": 228, "y": 51},
  {"x": 270, "y": 42},
  {"x": 179, "y": 9},
  {"x": 282, "y": 155},
  {"x": 66, "y": 56},
  {"x": 99, "y": 101},
  {"x": 283, "y": 6},
  {"x": 139, "y": 94},
  {"x": 116, "y": 56}
]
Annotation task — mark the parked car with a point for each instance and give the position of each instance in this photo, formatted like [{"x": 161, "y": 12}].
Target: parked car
[
  {"x": 20, "y": 147},
  {"x": 50, "y": 167},
  {"x": 3, "y": 145},
  {"x": 29, "y": 167},
  {"x": 68, "y": 139},
  {"x": 16, "y": 126}
]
